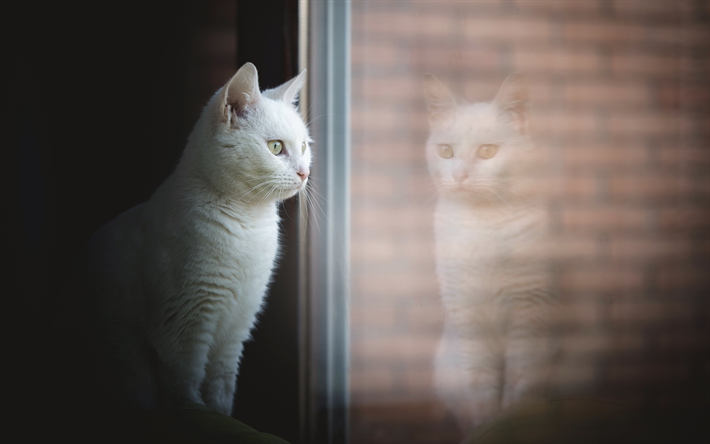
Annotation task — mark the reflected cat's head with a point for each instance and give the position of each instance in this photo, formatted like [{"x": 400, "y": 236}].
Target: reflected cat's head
[
  {"x": 478, "y": 151},
  {"x": 249, "y": 144}
]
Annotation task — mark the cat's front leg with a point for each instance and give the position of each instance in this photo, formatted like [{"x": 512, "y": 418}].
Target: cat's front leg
[
  {"x": 183, "y": 353},
  {"x": 221, "y": 376},
  {"x": 452, "y": 378},
  {"x": 183, "y": 371},
  {"x": 528, "y": 360},
  {"x": 483, "y": 361},
  {"x": 469, "y": 376}
]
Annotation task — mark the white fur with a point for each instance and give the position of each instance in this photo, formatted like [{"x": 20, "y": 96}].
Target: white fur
[
  {"x": 490, "y": 229},
  {"x": 183, "y": 276}
]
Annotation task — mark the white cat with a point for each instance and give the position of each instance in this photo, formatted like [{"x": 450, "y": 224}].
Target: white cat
[
  {"x": 490, "y": 229},
  {"x": 182, "y": 277}
]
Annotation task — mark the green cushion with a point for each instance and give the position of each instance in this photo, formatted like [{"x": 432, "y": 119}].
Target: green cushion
[{"x": 195, "y": 423}]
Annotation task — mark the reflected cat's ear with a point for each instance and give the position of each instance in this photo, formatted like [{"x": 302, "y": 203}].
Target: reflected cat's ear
[
  {"x": 241, "y": 92},
  {"x": 439, "y": 101},
  {"x": 289, "y": 90},
  {"x": 513, "y": 99}
]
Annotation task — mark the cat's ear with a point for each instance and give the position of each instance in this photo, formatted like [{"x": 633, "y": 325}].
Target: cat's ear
[
  {"x": 289, "y": 90},
  {"x": 241, "y": 92},
  {"x": 440, "y": 103},
  {"x": 513, "y": 99}
]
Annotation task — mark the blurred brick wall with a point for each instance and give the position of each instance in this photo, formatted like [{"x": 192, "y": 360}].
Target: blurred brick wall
[{"x": 621, "y": 99}]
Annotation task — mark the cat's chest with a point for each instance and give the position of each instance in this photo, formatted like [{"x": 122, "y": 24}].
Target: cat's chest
[
  {"x": 482, "y": 256},
  {"x": 477, "y": 239},
  {"x": 231, "y": 251},
  {"x": 247, "y": 245}
]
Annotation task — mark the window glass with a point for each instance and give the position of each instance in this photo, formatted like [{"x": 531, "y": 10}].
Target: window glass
[{"x": 553, "y": 244}]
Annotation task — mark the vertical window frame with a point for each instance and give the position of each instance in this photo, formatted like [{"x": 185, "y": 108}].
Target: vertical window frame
[{"x": 325, "y": 295}]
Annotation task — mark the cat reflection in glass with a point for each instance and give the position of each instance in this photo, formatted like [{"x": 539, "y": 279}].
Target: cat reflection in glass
[
  {"x": 182, "y": 277},
  {"x": 490, "y": 228}
]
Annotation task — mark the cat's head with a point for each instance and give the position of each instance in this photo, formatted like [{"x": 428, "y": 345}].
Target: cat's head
[
  {"x": 478, "y": 151},
  {"x": 249, "y": 144}
]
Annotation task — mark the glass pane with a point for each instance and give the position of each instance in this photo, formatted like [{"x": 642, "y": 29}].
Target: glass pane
[{"x": 545, "y": 249}]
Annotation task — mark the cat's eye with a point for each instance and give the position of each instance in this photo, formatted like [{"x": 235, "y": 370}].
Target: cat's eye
[
  {"x": 487, "y": 151},
  {"x": 445, "y": 151},
  {"x": 275, "y": 146},
  {"x": 303, "y": 148}
]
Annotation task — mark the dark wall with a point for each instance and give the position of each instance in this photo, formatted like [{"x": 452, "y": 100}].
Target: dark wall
[
  {"x": 98, "y": 99},
  {"x": 93, "y": 120},
  {"x": 267, "y": 387}
]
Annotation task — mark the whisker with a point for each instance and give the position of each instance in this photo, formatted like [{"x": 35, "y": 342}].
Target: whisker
[
  {"x": 260, "y": 183},
  {"x": 501, "y": 199},
  {"x": 315, "y": 118},
  {"x": 312, "y": 204},
  {"x": 313, "y": 199},
  {"x": 308, "y": 205}
]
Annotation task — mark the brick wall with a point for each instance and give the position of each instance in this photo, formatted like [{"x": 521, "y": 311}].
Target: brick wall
[{"x": 621, "y": 101}]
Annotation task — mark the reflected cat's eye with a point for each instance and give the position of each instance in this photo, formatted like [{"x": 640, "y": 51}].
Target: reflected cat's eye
[
  {"x": 487, "y": 151},
  {"x": 303, "y": 148},
  {"x": 275, "y": 146},
  {"x": 445, "y": 151}
]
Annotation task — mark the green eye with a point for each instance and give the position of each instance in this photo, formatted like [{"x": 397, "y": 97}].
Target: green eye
[
  {"x": 487, "y": 151},
  {"x": 275, "y": 146},
  {"x": 445, "y": 151},
  {"x": 303, "y": 148}
]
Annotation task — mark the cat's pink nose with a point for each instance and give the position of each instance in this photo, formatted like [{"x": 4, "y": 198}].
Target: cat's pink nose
[
  {"x": 459, "y": 174},
  {"x": 303, "y": 173}
]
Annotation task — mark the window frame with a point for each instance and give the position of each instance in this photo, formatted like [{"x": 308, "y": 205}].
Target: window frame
[{"x": 325, "y": 297}]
